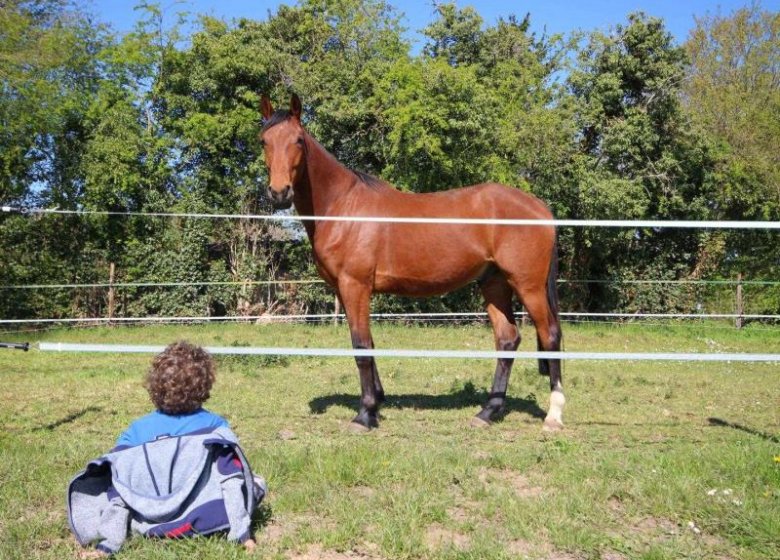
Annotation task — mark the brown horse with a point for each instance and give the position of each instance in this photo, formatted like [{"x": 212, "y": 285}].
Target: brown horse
[{"x": 418, "y": 259}]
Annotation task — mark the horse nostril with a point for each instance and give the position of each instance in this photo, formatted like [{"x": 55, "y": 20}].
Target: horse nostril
[{"x": 280, "y": 195}]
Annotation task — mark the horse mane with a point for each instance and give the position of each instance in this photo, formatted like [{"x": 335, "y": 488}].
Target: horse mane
[
  {"x": 369, "y": 180},
  {"x": 280, "y": 115}
]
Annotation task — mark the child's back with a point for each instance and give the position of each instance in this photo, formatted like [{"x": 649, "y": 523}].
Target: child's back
[{"x": 175, "y": 472}]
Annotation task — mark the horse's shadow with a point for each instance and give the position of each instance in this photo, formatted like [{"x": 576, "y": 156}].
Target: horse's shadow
[{"x": 466, "y": 397}]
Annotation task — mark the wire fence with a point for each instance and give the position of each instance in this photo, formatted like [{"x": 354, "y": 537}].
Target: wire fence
[
  {"x": 323, "y": 317},
  {"x": 609, "y": 281},
  {"x": 448, "y": 316}
]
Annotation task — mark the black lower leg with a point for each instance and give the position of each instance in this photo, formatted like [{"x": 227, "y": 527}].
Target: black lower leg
[
  {"x": 554, "y": 366},
  {"x": 378, "y": 389},
  {"x": 369, "y": 406},
  {"x": 495, "y": 407},
  {"x": 544, "y": 365}
]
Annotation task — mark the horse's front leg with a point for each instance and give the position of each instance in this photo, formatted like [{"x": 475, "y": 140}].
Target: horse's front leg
[
  {"x": 378, "y": 389},
  {"x": 356, "y": 298}
]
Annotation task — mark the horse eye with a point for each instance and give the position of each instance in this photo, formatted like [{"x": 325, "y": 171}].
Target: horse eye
[{"x": 299, "y": 141}]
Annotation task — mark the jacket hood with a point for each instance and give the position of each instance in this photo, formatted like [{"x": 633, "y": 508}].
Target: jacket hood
[{"x": 158, "y": 477}]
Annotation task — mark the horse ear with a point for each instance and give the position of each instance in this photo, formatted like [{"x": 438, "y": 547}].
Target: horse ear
[
  {"x": 266, "y": 107},
  {"x": 295, "y": 107}
]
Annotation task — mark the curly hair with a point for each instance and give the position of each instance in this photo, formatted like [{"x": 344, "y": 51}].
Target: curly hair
[{"x": 180, "y": 378}]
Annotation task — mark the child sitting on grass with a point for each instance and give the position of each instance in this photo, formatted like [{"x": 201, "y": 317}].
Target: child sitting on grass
[{"x": 175, "y": 472}]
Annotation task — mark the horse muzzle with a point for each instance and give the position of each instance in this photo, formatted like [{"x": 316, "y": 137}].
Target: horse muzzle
[{"x": 281, "y": 200}]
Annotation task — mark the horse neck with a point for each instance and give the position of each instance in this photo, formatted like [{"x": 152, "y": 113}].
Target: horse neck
[{"x": 325, "y": 182}]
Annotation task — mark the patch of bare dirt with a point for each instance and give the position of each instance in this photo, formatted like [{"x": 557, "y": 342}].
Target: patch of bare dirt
[
  {"x": 659, "y": 529},
  {"x": 612, "y": 555},
  {"x": 271, "y": 533},
  {"x": 653, "y": 526},
  {"x": 367, "y": 549},
  {"x": 557, "y": 555},
  {"x": 438, "y": 536},
  {"x": 459, "y": 514},
  {"x": 521, "y": 484},
  {"x": 615, "y": 504},
  {"x": 315, "y": 552},
  {"x": 539, "y": 548},
  {"x": 716, "y": 543},
  {"x": 363, "y": 491},
  {"x": 280, "y": 527},
  {"x": 523, "y": 548}
]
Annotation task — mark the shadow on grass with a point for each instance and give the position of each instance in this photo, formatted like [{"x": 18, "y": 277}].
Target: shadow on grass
[
  {"x": 734, "y": 426},
  {"x": 466, "y": 397},
  {"x": 261, "y": 517},
  {"x": 68, "y": 419}
]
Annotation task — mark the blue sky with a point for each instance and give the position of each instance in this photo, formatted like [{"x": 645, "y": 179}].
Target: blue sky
[{"x": 554, "y": 16}]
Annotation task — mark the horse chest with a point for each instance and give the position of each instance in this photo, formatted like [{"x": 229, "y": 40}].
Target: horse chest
[{"x": 343, "y": 250}]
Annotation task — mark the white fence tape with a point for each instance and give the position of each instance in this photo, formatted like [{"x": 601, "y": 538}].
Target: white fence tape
[
  {"x": 337, "y": 352},
  {"x": 687, "y": 224}
]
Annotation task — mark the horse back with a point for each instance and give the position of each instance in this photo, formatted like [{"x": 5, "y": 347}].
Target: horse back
[
  {"x": 428, "y": 258},
  {"x": 482, "y": 201}
]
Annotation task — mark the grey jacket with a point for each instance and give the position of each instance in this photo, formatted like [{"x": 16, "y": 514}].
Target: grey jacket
[{"x": 178, "y": 486}]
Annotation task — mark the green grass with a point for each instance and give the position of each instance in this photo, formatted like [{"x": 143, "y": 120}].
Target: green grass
[{"x": 645, "y": 444}]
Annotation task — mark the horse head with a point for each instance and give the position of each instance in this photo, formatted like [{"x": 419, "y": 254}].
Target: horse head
[{"x": 284, "y": 145}]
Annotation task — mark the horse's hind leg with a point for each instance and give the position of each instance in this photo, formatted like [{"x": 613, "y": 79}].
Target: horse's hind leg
[
  {"x": 498, "y": 296},
  {"x": 548, "y": 333},
  {"x": 544, "y": 365}
]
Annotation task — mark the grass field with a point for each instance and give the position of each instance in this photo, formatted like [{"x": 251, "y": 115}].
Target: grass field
[{"x": 659, "y": 460}]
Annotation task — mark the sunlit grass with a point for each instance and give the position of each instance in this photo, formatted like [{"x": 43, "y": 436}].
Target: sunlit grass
[{"x": 632, "y": 476}]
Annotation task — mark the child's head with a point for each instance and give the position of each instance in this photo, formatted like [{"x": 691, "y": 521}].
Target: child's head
[{"x": 180, "y": 378}]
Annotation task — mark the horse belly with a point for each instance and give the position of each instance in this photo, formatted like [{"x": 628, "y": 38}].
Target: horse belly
[{"x": 419, "y": 267}]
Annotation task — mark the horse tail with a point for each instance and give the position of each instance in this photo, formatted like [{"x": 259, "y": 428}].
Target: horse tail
[{"x": 552, "y": 283}]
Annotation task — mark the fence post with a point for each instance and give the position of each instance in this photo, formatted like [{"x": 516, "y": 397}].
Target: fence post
[
  {"x": 111, "y": 293},
  {"x": 336, "y": 310},
  {"x": 740, "y": 304}
]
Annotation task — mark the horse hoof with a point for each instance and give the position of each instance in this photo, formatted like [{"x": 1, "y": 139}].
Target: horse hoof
[
  {"x": 479, "y": 423},
  {"x": 357, "y": 428},
  {"x": 552, "y": 425}
]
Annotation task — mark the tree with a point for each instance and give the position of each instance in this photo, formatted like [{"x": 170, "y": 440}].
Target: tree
[
  {"x": 455, "y": 36},
  {"x": 733, "y": 93},
  {"x": 480, "y": 104},
  {"x": 49, "y": 73},
  {"x": 47, "y": 79},
  {"x": 638, "y": 159}
]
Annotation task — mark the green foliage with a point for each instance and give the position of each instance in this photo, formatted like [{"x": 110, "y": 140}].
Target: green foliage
[
  {"x": 621, "y": 124},
  {"x": 638, "y": 156},
  {"x": 733, "y": 93}
]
